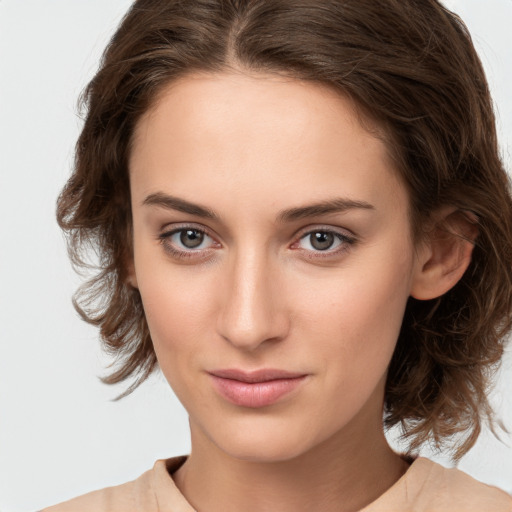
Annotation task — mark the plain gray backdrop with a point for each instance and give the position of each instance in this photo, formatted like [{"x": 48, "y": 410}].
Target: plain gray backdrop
[{"x": 60, "y": 433}]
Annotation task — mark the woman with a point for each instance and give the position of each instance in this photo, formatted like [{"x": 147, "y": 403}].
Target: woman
[{"x": 303, "y": 219}]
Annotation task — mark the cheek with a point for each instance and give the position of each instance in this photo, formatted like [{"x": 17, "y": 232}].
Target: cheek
[
  {"x": 358, "y": 316},
  {"x": 176, "y": 307},
  {"x": 177, "y": 312},
  {"x": 169, "y": 299}
]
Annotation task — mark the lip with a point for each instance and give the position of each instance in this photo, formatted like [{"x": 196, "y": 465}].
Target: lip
[{"x": 255, "y": 389}]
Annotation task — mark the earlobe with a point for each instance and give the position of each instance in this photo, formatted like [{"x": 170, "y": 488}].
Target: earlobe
[{"x": 445, "y": 255}]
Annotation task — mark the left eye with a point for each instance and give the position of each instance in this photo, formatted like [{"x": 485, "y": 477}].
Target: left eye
[{"x": 322, "y": 240}]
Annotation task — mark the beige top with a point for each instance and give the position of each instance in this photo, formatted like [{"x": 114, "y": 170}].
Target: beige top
[{"x": 425, "y": 487}]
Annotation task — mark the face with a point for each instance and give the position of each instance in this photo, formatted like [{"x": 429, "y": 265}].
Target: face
[{"x": 273, "y": 255}]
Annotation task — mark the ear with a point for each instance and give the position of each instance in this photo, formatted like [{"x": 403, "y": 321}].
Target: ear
[
  {"x": 445, "y": 254},
  {"x": 131, "y": 277},
  {"x": 128, "y": 258}
]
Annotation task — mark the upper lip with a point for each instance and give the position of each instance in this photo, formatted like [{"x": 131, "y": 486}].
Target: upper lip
[{"x": 263, "y": 375}]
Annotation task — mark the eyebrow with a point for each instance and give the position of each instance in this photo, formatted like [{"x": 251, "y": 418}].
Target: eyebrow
[
  {"x": 337, "y": 205},
  {"x": 175, "y": 203}
]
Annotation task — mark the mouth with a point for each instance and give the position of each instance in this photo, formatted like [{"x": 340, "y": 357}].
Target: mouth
[{"x": 255, "y": 389}]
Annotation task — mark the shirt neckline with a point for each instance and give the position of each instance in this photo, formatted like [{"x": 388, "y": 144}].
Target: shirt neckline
[{"x": 170, "y": 498}]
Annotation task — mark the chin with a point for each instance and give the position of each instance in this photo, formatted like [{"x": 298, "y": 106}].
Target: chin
[
  {"x": 263, "y": 452},
  {"x": 269, "y": 443}
]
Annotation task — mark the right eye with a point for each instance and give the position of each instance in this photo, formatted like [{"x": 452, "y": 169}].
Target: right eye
[{"x": 186, "y": 242}]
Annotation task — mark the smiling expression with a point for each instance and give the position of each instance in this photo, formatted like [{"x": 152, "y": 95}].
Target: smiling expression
[{"x": 271, "y": 232}]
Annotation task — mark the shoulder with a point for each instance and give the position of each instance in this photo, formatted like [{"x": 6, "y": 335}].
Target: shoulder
[
  {"x": 131, "y": 496},
  {"x": 452, "y": 489},
  {"x": 138, "y": 495},
  {"x": 428, "y": 487}
]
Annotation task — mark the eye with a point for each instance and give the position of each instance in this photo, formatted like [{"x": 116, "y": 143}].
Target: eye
[
  {"x": 325, "y": 241},
  {"x": 321, "y": 240},
  {"x": 189, "y": 238},
  {"x": 187, "y": 241}
]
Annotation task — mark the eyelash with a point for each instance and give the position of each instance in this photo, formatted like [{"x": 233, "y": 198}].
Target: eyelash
[{"x": 346, "y": 241}]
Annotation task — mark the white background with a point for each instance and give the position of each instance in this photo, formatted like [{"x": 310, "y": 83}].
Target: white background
[{"x": 60, "y": 433}]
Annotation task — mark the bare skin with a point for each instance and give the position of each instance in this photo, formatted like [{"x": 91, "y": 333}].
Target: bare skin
[
  {"x": 315, "y": 480},
  {"x": 233, "y": 276}
]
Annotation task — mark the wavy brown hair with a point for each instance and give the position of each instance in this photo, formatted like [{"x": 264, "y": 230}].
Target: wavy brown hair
[{"x": 410, "y": 67}]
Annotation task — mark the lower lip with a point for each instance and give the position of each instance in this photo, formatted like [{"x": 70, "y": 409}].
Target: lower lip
[{"x": 255, "y": 394}]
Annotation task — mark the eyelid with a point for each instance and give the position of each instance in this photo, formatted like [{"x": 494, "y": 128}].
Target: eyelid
[
  {"x": 170, "y": 229},
  {"x": 327, "y": 229},
  {"x": 167, "y": 229}
]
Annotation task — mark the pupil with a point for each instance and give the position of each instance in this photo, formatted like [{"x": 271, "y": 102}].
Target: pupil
[
  {"x": 191, "y": 238},
  {"x": 321, "y": 240}
]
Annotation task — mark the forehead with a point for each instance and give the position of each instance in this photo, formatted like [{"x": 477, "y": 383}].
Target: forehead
[{"x": 243, "y": 135}]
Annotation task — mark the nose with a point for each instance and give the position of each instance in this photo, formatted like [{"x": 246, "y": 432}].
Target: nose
[{"x": 253, "y": 309}]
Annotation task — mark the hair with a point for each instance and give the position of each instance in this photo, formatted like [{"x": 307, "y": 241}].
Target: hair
[{"x": 408, "y": 65}]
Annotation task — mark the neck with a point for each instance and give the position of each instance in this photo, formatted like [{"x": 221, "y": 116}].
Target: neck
[{"x": 340, "y": 474}]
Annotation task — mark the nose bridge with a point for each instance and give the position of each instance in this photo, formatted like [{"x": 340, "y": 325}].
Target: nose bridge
[{"x": 251, "y": 312}]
